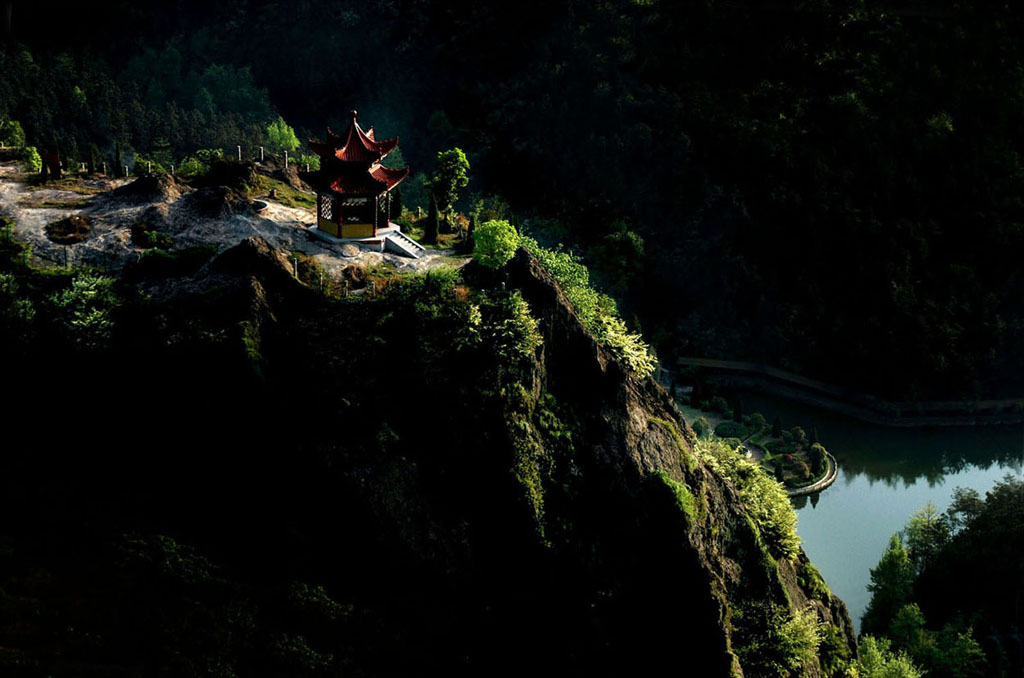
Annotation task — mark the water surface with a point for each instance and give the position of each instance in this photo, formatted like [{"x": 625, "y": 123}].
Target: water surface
[{"x": 885, "y": 474}]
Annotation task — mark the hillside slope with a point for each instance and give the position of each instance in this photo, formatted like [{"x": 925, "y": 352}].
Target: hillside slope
[{"x": 247, "y": 477}]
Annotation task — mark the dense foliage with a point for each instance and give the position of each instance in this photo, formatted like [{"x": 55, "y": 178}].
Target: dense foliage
[
  {"x": 763, "y": 496},
  {"x": 495, "y": 243},
  {"x": 832, "y": 187},
  {"x": 947, "y": 599},
  {"x": 597, "y": 310}
]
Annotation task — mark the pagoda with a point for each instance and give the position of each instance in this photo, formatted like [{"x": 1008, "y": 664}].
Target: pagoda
[{"x": 353, "y": 189}]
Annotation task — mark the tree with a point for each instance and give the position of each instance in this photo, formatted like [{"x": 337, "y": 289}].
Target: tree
[
  {"x": 777, "y": 427},
  {"x": 926, "y": 533},
  {"x": 281, "y": 137},
  {"x": 799, "y": 435},
  {"x": 94, "y": 158},
  {"x": 819, "y": 459},
  {"x": 737, "y": 409},
  {"x": 11, "y": 133},
  {"x": 33, "y": 161},
  {"x": 967, "y": 505},
  {"x": 85, "y": 310},
  {"x": 430, "y": 229},
  {"x": 496, "y": 242},
  {"x": 907, "y": 629},
  {"x": 450, "y": 176},
  {"x": 878, "y": 661},
  {"x": 892, "y": 581}
]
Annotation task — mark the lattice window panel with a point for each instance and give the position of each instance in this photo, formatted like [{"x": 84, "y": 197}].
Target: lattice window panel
[{"x": 326, "y": 209}]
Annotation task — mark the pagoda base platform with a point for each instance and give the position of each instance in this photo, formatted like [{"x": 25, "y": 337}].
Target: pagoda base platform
[
  {"x": 389, "y": 238},
  {"x": 374, "y": 243}
]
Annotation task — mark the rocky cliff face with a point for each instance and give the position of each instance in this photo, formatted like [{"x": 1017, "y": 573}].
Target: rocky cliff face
[
  {"x": 405, "y": 483},
  {"x": 713, "y": 562}
]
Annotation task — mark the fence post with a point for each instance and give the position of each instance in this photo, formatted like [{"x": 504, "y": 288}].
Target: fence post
[
  {"x": 239, "y": 153},
  {"x": 261, "y": 154},
  {"x": 286, "y": 159}
]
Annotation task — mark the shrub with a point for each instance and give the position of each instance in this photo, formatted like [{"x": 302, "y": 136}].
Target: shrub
[
  {"x": 819, "y": 459},
  {"x": 810, "y": 581},
  {"x": 701, "y": 427},
  {"x": 496, "y": 242},
  {"x": 774, "y": 642},
  {"x": 11, "y": 133},
  {"x": 596, "y": 311},
  {"x": 84, "y": 310},
  {"x": 281, "y": 137},
  {"x": 776, "y": 447},
  {"x": 198, "y": 164},
  {"x": 719, "y": 404},
  {"x": 144, "y": 163},
  {"x": 145, "y": 237},
  {"x": 763, "y": 497},
  {"x": 878, "y": 661},
  {"x": 755, "y": 421},
  {"x": 799, "y": 435},
  {"x": 730, "y": 429},
  {"x": 16, "y": 311},
  {"x": 33, "y": 162},
  {"x": 627, "y": 347},
  {"x": 511, "y": 332}
]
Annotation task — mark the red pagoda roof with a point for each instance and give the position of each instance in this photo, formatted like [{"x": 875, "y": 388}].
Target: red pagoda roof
[
  {"x": 373, "y": 182},
  {"x": 350, "y": 163},
  {"x": 389, "y": 176},
  {"x": 353, "y": 145}
]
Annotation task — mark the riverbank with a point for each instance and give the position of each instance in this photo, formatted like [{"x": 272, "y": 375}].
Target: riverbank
[{"x": 862, "y": 406}]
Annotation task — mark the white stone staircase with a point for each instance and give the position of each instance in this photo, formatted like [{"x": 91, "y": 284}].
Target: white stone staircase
[{"x": 400, "y": 243}]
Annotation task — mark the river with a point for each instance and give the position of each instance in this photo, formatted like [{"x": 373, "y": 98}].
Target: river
[{"x": 885, "y": 474}]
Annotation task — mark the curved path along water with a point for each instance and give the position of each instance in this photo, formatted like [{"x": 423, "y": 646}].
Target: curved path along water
[{"x": 830, "y": 477}]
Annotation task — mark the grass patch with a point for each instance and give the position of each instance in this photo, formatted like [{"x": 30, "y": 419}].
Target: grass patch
[
  {"x": 684, "y": 499},
  {"x": 55, "y": 204},
  {"x": 69, "y": 230},
  {"x": 285, "y": 194},
  {"x": 67, "y": 183}
]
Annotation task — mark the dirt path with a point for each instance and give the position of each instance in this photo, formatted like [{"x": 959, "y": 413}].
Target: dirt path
[{"x": 109, "y": 245}]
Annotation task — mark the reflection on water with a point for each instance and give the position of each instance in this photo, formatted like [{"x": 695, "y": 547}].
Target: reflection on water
[{"x": 885, "y": 474}]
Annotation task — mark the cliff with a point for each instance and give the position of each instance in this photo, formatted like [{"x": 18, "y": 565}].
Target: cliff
[{"x": 432, "y": 474}]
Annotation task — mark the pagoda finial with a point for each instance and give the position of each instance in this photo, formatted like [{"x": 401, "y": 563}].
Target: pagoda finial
[{"x": 354, "y": 113}]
